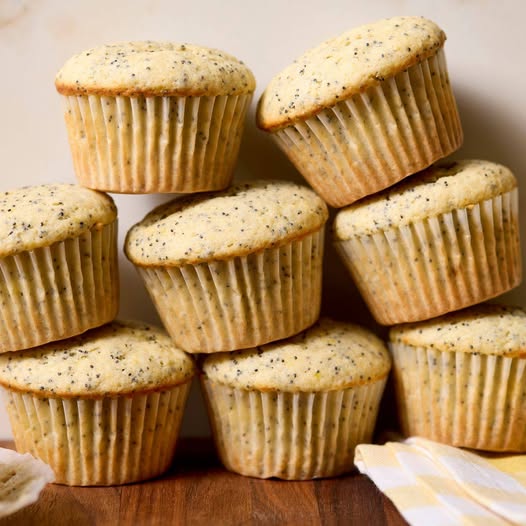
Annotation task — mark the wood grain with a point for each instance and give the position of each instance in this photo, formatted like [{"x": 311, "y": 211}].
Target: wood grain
[{"x": 197, "y": 490}]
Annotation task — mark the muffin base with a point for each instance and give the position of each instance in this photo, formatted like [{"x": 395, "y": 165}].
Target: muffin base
[
  {"x": 374, "y": 139},
  {"x": 439, "y": 264},
  {"x": 55, "y": 292},
  {"x": 462, "y": 399},
  {"x": 293, "y": 436},
  {"x": 99, "y": 442},
  {"x": 240, "y": 302},
  {"x": 155, "y": 144}
]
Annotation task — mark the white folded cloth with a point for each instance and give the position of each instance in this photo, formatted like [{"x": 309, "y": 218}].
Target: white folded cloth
[{"x": 435, "y": 484}]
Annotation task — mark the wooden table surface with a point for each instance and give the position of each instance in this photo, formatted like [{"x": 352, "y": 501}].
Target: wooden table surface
[{"x": 197, "y": 490}]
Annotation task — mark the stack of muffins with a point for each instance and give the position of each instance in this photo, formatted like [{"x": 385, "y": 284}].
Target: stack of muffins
[
  {"x": 105, "y": 406},
  {"x": 358, "y": 114},
  {"x": 228, "y": 268},
  {"x": 235, "y": 270}
]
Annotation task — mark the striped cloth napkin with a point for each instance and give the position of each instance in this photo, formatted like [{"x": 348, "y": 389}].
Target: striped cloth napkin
[{"x": 433, "y": 484}]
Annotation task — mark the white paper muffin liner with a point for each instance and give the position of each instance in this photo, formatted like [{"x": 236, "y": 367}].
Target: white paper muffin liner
[
  {"x": 462, "y": 399},
  {"x": 376, "y": 138},
  {"x": 438, "y": 264},
  {"x": 98, "y": 442},
  {"x": 23, "y": 478},
  {"x": 240, "y": 302},
  {"x": 55, "y": 292},
  {"x": 295, "y": 436},
  {"x": 155, "y": 144}
]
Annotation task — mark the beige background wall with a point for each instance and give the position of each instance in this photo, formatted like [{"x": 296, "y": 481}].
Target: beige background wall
[{"x": 486, "y": 52}]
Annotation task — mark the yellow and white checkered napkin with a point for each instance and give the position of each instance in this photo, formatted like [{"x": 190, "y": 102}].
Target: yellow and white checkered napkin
[{"x": 434, "y": 484}]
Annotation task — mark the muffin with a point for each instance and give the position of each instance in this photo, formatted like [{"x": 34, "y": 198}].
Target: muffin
[
  {"x": 459, "y": 378},
  {"x": 365, "y": 109},
  {"x": 234, "y": 269},
  {"x": 58, "y": 263},
  {"x": 154, "y": 116},
  {"x": 296, "y": 409},
  {"x": 440, "y": 241},
  {"x": 102, "y": 408}
]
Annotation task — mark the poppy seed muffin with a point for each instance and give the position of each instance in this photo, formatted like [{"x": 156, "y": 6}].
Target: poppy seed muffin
[
  {"x": 102, "y": 408},
  {"x": 58, "y": 263},
  {"x": 154, "y": 116},
  {"x": 459, "y": 378},
  {"x": 234, "y": 269},
  {"x": 365, "y": 109},
  {"x": 296, "y": 409},
  {"x": 440, "y": 241}
]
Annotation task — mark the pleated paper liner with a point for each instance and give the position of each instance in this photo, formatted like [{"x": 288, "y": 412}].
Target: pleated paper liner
[
  {"x": 438, "y": 264},
  {"x": 23, "y": 478},
  {"x": 55, "y": 292},
  {"x": 295, "y": 436},
  {"x": 463, "y": 399},
  {"x": 376, "y": 138},
  {"x": 240, "y": 302},
  {"x": 155, "y": 144},
  {"x": 98, "y": 442}
]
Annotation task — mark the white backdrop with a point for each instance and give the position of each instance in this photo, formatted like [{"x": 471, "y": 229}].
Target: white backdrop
[{"x": 486, "y": 51}]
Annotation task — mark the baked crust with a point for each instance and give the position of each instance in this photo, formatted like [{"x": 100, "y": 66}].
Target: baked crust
[
  {"x": 487, "y": 329},
  {"x": 329, "y": 356},
  {"x": 346, "y": 65},
  {"x": 439, "y": 189},
  {"x": 244, "y": 219},
  {"x": 148, "y": 69},
  {"x": 117, "y": 359},
  {"x": 38, "y": 216}
]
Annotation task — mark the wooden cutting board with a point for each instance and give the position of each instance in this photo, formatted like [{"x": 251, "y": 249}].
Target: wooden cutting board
[{"x": 198, "y": 491}]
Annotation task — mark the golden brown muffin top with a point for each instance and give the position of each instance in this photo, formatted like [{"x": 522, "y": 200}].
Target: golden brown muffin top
[
  {"x": 345, "y": 65},
  {"x": 437, "y": 190},
  {"x": 120, "y": 358},
  {"x": 328, "y": 356},
  {"x": 482, "y": 329},
  {"x": 243, "y": 219},
  {"x": 154, "y": 69},
  {"x": 38, "y": 216}
]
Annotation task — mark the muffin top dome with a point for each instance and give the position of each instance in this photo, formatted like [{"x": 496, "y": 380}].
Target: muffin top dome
[
  {"x": 484, "y": 329},
  {"x": 345, "y": 65},
  {"x": 436, "y": 190},
  {"x": 116, "y": 359},
  {"x": 37, "y": 216},
  {"x": 245, "y": 218},
  {"x": 154, "y": 68},
  {"x": 328, "y": 356}
]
